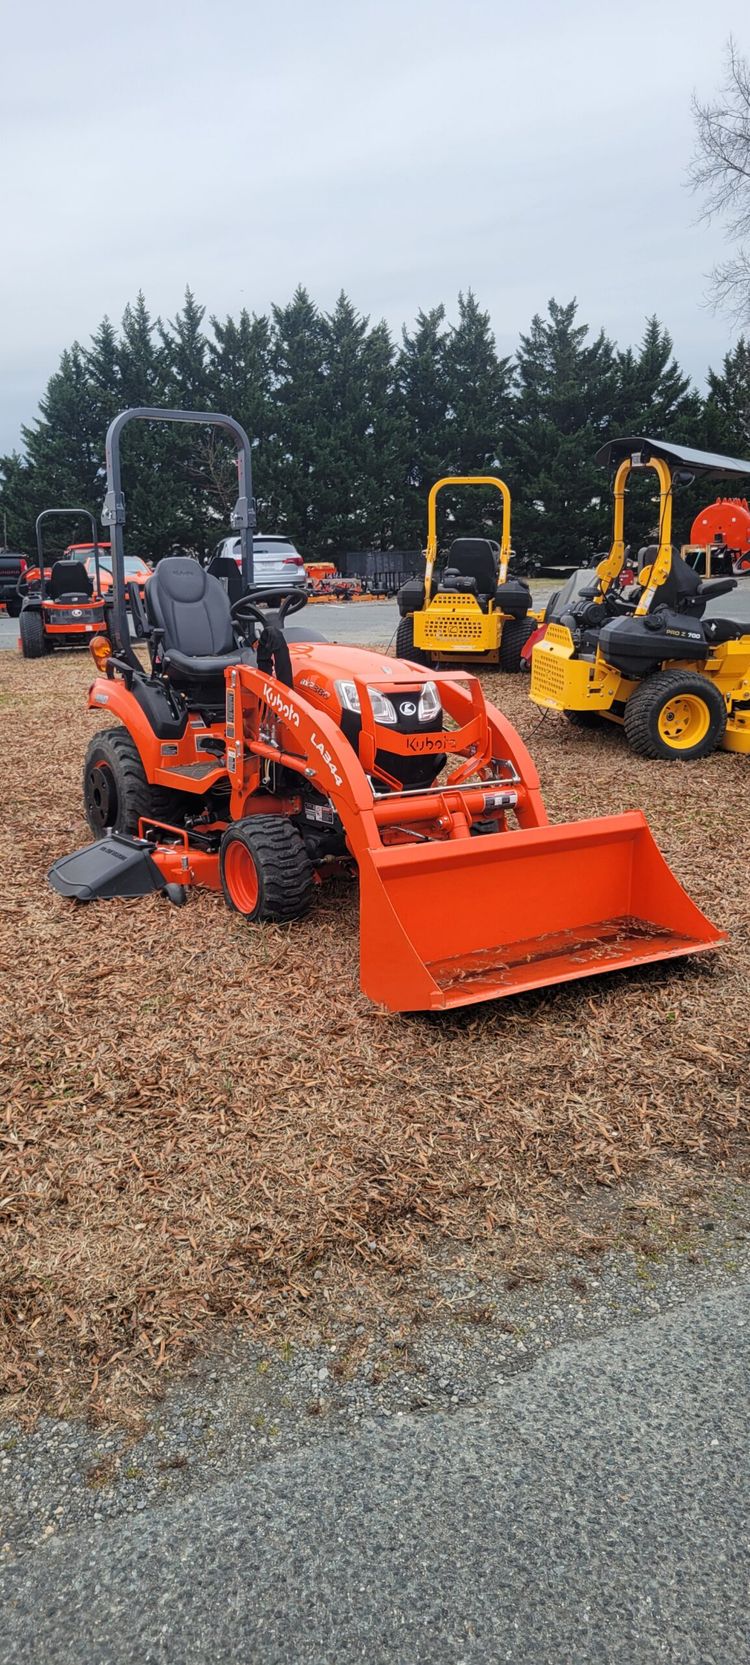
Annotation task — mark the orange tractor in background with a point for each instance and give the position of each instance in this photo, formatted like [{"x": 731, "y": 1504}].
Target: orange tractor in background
[
  {"x": 254, "y": 758},
  {"x": 61, "y": 605}
]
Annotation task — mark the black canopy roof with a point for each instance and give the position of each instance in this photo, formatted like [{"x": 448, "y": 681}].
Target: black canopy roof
[{"x": 678, "y": 456}]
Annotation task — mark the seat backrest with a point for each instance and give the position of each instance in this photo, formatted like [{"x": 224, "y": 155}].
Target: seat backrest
[
  {"x": 474, "y": 558},
  {"x": 190, "y": 607},
  {"x": 69, "y": 578},
  {"x": 228, "y": 574}
]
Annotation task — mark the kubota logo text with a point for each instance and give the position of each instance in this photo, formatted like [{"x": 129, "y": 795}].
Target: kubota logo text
[
  {"x": 280, "y": 705},
  {"x": 326, "y": 756},
  {"x": 425, "y": 742}
]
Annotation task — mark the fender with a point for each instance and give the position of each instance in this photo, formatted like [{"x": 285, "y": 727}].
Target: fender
[{"x": 160, "y": 758}]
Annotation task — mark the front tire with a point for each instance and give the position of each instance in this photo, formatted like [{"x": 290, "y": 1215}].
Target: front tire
[
  {"x": 405, "y": 648},
  {"x": 31, "y": 625},
  {"x": 513, "y": 637},
  {"x": 265, "y": 870},
  {"x": 675, "y": 714},
  {"x": 116, "y": 793}
]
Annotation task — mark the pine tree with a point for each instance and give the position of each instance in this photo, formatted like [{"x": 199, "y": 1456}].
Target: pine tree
[
  {"x": 104, "y": 391},
  {"x": 726, "y": 413},
  {"x": 239, "y": 360},
  {"x": 657, "y": 401},
  {"x": 158, "y": 517},
  {"x": 567, "y": 389},
  {"x": 360, "y": 476},
  {"x": 62, "y": 457},
  {"x": 383, "y": 485},
  {"x": 423, "y": 383},
  {"x": 198, "y": 454},
  {"x": 479, "y": 389},
  {"x": 298, "y": 453}
]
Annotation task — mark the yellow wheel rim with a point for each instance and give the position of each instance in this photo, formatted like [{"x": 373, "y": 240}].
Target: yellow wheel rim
[{"x": 684, "y": 721}]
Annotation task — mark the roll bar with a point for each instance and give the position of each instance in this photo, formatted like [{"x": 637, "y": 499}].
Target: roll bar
[
  {"x": 80, "y": 514},
  {"x": 432, "y": 542},
  {"x": 242, "y": 518}
]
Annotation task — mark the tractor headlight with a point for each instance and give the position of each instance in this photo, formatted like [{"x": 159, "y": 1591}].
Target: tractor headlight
[
  {"x": 382, "y": 710},
  {"x": 429, "y": 703}
]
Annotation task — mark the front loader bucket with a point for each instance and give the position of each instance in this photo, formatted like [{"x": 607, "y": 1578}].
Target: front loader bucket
[{"x": 454, "y": 922}]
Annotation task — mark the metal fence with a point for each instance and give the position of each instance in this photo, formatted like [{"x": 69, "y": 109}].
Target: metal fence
[{"x": 381, "y": 571}]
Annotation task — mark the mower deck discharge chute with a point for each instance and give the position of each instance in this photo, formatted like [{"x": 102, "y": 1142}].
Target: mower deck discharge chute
[{"x": 284, "y": 758}]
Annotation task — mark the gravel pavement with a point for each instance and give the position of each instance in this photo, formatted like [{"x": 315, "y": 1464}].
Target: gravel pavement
[{"x": 551, "y": 1472}]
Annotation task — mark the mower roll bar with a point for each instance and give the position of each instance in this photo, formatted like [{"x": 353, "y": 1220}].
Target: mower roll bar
[
  {"x": 80, "y": 514},
  {"x": 432, "y": 539},
  {"x": 666, "y": 460},
  {"x": 242, "y": 519}
]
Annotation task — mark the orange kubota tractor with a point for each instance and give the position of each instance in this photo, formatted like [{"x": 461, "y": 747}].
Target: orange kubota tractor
[
  {"x": 253, "y": 756},
  {"x": 61, "y": 605}
]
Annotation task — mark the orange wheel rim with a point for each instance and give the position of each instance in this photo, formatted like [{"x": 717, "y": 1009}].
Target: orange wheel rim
[{"x": 241, "y": 876}]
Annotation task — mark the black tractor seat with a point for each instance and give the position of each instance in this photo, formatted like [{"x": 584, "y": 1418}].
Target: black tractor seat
[
  {"x": 192, "y": 612},
  {"x": 196, "y": 638},
  {"x": 470, "y": 569},
  {"x": 69, "y": 581}
]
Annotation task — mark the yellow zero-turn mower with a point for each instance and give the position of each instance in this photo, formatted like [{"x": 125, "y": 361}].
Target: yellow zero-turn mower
[
  {"x": 474, "y": 612},
  {"x": 648, "y": 658}
]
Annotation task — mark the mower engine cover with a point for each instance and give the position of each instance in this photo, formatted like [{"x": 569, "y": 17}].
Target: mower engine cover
[
  {"x": 636, "y": 646},
  {"x": 410, "y": 597},
  {"x": 514, "y": 598}
]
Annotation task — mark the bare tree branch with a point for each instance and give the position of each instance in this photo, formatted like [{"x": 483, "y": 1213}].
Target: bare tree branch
[{"x": 720, "y": 172}]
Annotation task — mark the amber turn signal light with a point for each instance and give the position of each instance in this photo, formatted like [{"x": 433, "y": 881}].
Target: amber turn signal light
[{"x": 100, "y": 649}]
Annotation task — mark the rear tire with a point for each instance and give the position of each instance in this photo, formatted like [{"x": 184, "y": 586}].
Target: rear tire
[
  {"x": 405, "y": 648},
  {"x": 13, "y": 606},
  {"x": 514, "y": 635},
  {"x": 31, "y": 625},
  {"x": 266, "y": 872},
  {"x": 675, "y": 715},
  {"x": 116, "y": 793}
]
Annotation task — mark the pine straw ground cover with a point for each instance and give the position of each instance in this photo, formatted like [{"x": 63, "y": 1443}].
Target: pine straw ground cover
[{"x": 199, "y": 1114}]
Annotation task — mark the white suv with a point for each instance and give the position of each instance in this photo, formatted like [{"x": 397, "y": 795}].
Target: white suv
[{"x": 275, "y": 561}]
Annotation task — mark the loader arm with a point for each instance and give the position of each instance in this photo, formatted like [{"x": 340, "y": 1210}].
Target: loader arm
[{"x": 448, "y": 918}]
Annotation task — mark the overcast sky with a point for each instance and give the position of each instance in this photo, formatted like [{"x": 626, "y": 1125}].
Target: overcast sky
[{"x": 399, "y": 149}]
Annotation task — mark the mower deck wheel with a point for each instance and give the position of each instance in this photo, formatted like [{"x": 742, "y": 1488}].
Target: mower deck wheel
[
  {"x": 31, "y": 627},
  {"x": 675, "y": 714},
  {"x": 405, "y": 648},
  {"x": 116, "y": 793},
  {"x": 266, "y": 872},
  {"x": 583, "y": 719},
  {"x": 515, "y": 633}
]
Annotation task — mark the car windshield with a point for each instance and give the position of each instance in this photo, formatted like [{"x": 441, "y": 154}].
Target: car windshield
[
  {"x": 273, "y": 546},
  {"x": 133, "y": 565}
]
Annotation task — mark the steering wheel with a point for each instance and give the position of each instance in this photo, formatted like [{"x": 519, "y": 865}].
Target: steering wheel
[{"x": 248, "y": 610}]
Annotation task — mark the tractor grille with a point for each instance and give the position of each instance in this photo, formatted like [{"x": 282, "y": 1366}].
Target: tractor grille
[
  {"x": 449, "y": 626},
  {"x": 548, "y": 676}
]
